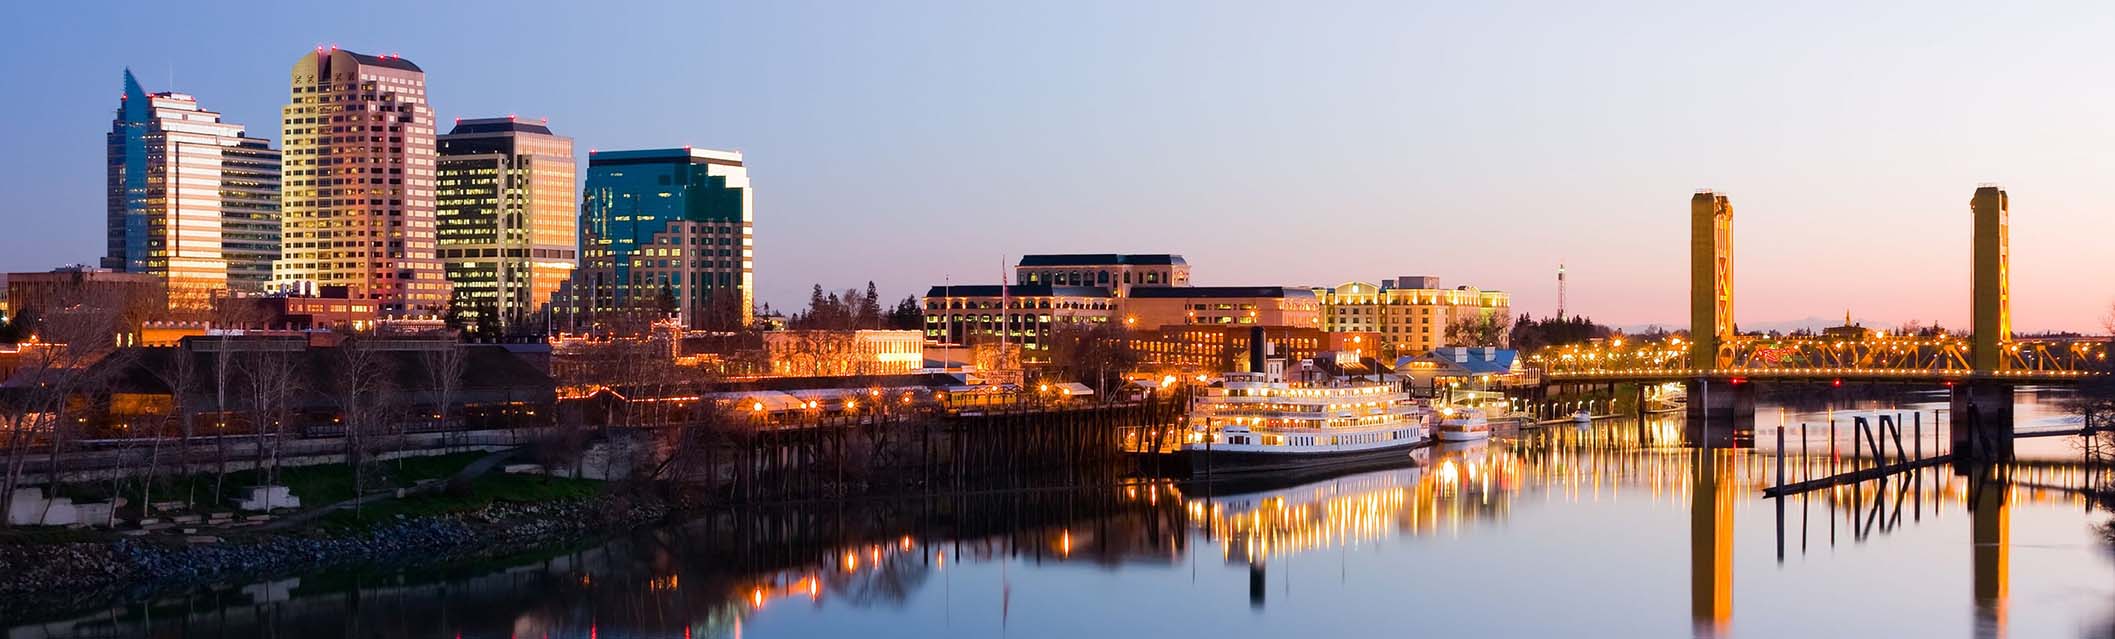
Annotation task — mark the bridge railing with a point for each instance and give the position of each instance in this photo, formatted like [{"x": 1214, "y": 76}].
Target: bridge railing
[{"x": 1936, "y": 357}]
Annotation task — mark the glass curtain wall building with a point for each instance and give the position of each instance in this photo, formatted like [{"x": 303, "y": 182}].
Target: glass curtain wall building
[
  {"x": 191, "y": 199},
  {"x": 506, "y": 220},
  {"x": 667, "y": 232}
]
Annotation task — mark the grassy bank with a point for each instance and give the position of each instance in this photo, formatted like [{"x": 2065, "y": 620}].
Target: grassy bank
[{"x": 323, "y": 485}]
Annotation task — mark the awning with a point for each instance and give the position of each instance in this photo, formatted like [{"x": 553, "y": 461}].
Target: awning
[{"x": 1074, "y": 389}]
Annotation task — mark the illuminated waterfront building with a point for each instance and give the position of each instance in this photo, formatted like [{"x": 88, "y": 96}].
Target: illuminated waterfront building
[
  {"x": 668, "y": 230},
  {"x": 1221, "y": 305},
  {"x": 835, "y": 353},
  {"x": 192, "y": 200},
  {"x": 358, "y": 193},
  {"x": 506, "y": 207},
  {"x": 1411, "y": 314},
  {"x": 1024, "y": 315}
]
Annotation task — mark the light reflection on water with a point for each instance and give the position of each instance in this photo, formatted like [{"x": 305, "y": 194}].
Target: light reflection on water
[{"x": 1615, "y": 530}]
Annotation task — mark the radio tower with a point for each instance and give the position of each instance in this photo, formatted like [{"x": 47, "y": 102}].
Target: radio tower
[{"x": 1560, "y": 290}]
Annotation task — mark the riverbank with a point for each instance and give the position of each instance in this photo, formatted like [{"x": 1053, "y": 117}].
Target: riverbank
[{"x": 54, "y": 576}]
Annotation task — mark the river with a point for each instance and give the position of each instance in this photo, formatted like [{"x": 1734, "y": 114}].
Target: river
[{"x": 1617, "y": 530}]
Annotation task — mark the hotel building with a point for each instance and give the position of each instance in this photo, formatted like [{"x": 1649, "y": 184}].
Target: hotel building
[
  {"x": 192, "y": 200},
  {"x": 358, "y": 183},
  {"x": 668, "y": 230},
  {"x": 1410, "y": 314},
  {"x": 506, "y": 218}
]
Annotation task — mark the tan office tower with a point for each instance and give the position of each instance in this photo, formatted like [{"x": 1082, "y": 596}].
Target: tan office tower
[
  {"x": 192, "y": 199},
  {"x": 357, "y": 200},
  {"x": 508, "y": 210}
]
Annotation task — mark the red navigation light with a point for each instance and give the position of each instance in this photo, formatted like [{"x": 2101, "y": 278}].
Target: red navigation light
[
  {"x": 510, "y": 117},
  {"x": 1837, "y": 383},
  {"x": 1739, "y": 380},
  {"x": 1949, "y": 383}
]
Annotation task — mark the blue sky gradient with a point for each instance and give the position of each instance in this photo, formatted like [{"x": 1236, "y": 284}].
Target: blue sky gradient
[{"x": 1271, "y": 143}]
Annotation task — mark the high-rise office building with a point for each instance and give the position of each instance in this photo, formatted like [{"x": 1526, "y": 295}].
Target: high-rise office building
[
  {"x": 192, "y": 200},
  {"x": 358, "y": 197},
  {"x": 506, "y": 218},
  {"x": 669, "y": 231}
]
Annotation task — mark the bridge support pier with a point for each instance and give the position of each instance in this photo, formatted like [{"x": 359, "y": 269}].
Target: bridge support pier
[
  {"x": 1980, "y": 425},
  {"x": 1721, "y": 414}
]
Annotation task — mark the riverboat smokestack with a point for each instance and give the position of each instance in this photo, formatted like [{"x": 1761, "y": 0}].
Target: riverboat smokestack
[{"x": 1256, "y": 349}]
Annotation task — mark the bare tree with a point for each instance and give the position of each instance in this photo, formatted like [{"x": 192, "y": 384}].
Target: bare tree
[
  {"x": 271, "y": 375},
  {"x": 1092, "y": 352},
  {"x": 181, "y": 376},
  {"x": 444, "y": 370},
  {"x": 58, "y": 368},
  {"x": 363, "y": 377}
]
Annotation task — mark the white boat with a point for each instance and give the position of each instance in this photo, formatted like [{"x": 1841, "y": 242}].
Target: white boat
[
  {"x": 1463, "y": 424},
  {"x": 1251, "y": 423},
  {"x": 1583, "y": 418}
]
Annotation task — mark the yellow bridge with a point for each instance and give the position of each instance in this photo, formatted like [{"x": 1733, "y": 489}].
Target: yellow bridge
[
  {"x": 1716, "y": 350},
  {"x": 1908, "y": 359}
]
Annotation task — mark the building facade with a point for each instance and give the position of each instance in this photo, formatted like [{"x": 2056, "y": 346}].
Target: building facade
[
  {"x": 1023, "y": 315},
  {"x": 131, "y": 298},
  {"x": 668, "y": 231},
  {"x": 357, "y": 194},
  {"x": 506, "y": 219},
  {"x": 833, "y": 353},
  {"x": 1153, "y": 307},
  {"x": 1118, "y": 273},
  {"x": 1218, "y": 348},
  {"x": 192, "y": 200},
  {"x": 1410, "y": 314}
]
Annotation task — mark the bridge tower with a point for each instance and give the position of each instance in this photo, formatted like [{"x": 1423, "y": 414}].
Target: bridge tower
[
  {"x": 1982, "y": 421},
  {"x": 1710, "y": 280},
  {"x": 1991, "y": 288}
]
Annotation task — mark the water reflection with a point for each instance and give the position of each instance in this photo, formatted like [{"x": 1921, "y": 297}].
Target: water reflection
[{"x": 832, "y": 568}]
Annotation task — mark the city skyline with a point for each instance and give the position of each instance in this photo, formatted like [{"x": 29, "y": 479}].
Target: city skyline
[{"x": 1428, "y": 152}]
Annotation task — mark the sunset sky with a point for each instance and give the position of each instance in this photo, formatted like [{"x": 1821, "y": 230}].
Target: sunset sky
[{"x": 1269, "y": 143}]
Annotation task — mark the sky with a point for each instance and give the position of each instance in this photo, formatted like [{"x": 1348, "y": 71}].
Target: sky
[{"x": 911, "y": 143}]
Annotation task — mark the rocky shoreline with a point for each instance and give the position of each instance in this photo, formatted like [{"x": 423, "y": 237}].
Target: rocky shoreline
[{"x": 46, "y": 580}]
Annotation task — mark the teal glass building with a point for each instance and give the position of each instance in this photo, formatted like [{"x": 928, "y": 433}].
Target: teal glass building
[{"x": 667, "y": 233}]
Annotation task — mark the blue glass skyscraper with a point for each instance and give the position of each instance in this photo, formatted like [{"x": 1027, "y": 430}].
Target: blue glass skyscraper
[{"x": 667, "y": 232}]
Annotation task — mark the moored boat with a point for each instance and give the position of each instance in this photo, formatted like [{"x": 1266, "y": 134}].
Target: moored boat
[{"x": 1463, "y": 424}]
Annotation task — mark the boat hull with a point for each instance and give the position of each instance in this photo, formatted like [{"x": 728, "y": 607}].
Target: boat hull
[
  {"x": 1456, "y": 436},
  {"x": 1223, "y": 462}
]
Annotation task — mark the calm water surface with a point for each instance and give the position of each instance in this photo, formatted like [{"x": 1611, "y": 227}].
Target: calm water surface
[{"x": 1620, "y": 530}]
